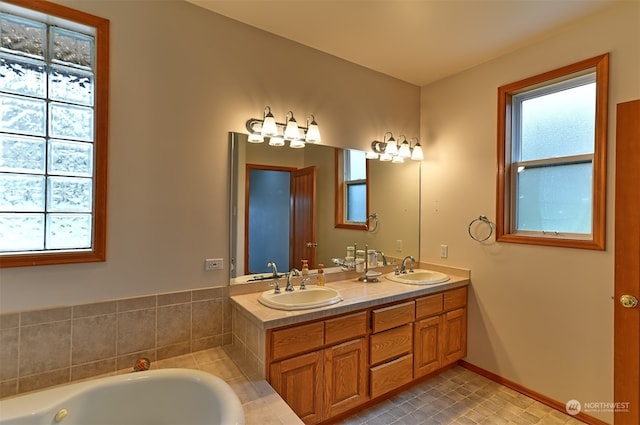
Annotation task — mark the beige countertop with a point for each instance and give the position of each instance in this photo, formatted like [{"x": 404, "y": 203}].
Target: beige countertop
[{"x": 356, "y": 295}]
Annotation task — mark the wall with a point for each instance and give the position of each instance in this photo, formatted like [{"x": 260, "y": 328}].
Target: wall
[
  {"x": 181, "y": 79},
  {"x": 539, "y": 316}
]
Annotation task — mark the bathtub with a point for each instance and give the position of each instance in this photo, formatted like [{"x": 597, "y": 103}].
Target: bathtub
[{"x": 158, "y": 397}]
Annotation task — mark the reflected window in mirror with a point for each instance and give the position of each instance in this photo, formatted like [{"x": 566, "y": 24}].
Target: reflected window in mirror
[{"x": 352, "y": 189}]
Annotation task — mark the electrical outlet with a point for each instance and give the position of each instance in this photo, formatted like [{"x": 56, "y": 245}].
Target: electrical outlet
[
  {"x": 213, "y": 264},
  {"x": 399, "y": 245},
  {"x": 444, "y": 251}
]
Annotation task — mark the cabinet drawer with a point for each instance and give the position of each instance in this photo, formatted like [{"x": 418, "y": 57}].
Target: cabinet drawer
[
  {"x": 345, "y": 327},
  {"x": 392, "y": 343},
  {"x": 392, "y": 316},
  {"x": 428, "y": 306},
  {"x": 455, "y": 298},
  {"x": 389, "y": 376},
  {"x": 286, "y": 342}
]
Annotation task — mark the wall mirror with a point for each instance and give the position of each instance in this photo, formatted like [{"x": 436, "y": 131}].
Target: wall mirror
[{"x": 260, "y": 176}]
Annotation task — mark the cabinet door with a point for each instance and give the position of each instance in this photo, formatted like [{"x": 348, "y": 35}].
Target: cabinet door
[
  {"x": 345, "y": 376},
  {"x": 427, "y": 349},
  {"x": 454, "y": 336},
  {"x": 299, "y": 382}
]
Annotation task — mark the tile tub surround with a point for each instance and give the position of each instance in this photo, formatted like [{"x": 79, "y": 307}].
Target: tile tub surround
[
  {"x": 42, "y": 348},
  {"x": 251, "y": 319}
]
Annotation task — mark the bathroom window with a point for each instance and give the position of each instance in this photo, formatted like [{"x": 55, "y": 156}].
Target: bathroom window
[
  {"x": 352, "y": 189},
  {"x": 552, "y": 157},
  {"x": 53, "y": 134}
]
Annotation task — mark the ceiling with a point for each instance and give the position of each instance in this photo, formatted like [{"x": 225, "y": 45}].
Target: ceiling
[{"x": 418, "y": 41}]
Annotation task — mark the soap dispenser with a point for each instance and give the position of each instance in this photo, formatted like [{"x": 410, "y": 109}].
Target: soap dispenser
[
  {"x": 305, "y": 268},
  {"x": 320, "y": 275}
]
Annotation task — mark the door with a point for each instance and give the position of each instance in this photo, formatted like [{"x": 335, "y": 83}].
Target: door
[
  {"x": 627, "y": 265},
  {"x": 267, "y": 225},
  {"x": 303, "y": 238}
]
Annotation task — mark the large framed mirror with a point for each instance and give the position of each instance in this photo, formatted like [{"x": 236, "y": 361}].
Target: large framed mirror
[{"x": 261, "y": 223}]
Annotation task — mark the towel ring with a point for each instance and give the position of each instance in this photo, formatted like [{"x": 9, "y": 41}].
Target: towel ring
[
  {"x": 483, "y": 219},
  {"x": 373, "y": 217}
]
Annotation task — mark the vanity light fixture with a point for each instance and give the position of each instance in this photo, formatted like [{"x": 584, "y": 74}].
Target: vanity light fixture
[
  {"x": 388, "y": 149},
  {"x": 277, "y": 132}
]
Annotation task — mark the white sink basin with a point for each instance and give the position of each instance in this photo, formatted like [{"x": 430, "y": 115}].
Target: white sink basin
[
  {"x": 312, "y": 297},
  {"x": 419, "y": 277}
]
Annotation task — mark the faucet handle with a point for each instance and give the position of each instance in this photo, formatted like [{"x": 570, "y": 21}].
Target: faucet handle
[
  {"x": 276, "y": 285},
  {"x": 303, "y": 282}
]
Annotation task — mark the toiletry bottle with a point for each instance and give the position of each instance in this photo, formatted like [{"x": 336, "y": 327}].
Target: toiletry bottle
[
  {"x": 320, "y": 275},
  {"x": 305, "y": 268}
]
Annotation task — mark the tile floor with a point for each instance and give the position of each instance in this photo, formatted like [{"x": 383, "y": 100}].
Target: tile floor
[{"x": 460, "y": 397}]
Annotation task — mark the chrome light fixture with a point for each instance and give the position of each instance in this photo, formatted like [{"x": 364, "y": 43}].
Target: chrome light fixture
[
  {"x": 388, "y": 150},
  {"x": 277, "y": 132},
  {"x": 269, "y": 126}
]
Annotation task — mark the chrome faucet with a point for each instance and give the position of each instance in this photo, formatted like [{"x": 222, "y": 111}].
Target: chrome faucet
[
  {"x": 272, "y": 264},
  {"x": 276, "y": 284},
  {"x": 384, "y": 259},
  {"x": 295, "y": 272},
  {"x": 403, "y": 267}
]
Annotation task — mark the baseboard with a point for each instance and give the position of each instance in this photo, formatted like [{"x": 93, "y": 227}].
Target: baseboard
[{"x": 561, "y": 407}]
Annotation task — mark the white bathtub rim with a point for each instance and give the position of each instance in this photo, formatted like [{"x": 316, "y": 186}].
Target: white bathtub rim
[{"x": 37, "y": 403}]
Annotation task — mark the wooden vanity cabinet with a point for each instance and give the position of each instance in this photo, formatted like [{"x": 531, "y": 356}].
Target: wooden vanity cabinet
[
  {"x": 440, "y": 331},
  {"x": 327, "y": 367},
  {"x": 322, "y": 367}
]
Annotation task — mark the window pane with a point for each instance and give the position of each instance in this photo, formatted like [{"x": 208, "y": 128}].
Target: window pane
[
  {"x": 356, "y": 166},
  {"x": 69, "y": 194},
  {"x": 21, "y": 232},
  {"x": 555, "y": 199},
  {"x": 71, "y": 47},
  {"x": 357, "y": 202},
  {"x": 19, "y": 115},
  {"x": 22, "y": 35},
  {"x": 71, "y": 122},
  {"x": 20, "y": 192},
  {"x": 22, "y": 76},
  {"x": 70, "y": 158},
  {"x": 559, "y": 124},
  {"x": 68, "y": 231},
  {"x": 71, "y": 85},
  {"x": 22, "y": 154}
]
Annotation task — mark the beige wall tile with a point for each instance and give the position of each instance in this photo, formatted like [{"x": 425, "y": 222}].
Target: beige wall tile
[
  {"x": 94, "y": 338},
  {"x": 95, "y": 309},
  {"x": 173, "y": 350},
  {"x": 174, "y": 298},
  {"x": 45, "y": 316},
  {"x": 44, "y": 347},
  {"x": 43, "y": 380},
  {"x": 8, "y": 388},
  {"x": 9, "y": 320},
  {"x": 174, "y": 324},
  {"x": 136, "y": 331},
  {"x": 139, "y": 303},
  {"x": 89, "y": 370},
  {"x": 207, "y": 318},
  {"x": 8, "y": 353}
]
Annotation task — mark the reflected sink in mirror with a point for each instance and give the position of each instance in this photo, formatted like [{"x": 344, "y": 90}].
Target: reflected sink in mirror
[
  {"x": 312, "y": 297},
  {"x": 419, "y": 277}
]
